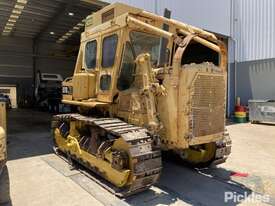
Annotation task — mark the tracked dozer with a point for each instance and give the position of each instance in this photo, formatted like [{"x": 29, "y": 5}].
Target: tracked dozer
[
  {"x": 142, "y": 84},
  {"x": 4, "y": 176}
]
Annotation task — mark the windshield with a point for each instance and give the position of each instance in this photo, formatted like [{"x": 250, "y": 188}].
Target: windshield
[{"x": 146, "y": 43}]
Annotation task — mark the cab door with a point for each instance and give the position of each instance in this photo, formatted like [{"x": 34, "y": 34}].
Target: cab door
[
  {"x": 109, "y": 64},
  {"x": 86, "y": 70}
]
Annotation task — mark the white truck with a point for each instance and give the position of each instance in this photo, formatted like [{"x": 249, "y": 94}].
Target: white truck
[{"x": 48, "y": 90}]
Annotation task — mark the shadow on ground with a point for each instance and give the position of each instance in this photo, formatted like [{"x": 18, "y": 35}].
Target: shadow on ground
[
  {"x": 29, "y": 134},
  {"x": 183, "y": 185},
  {"x": 5, "y": 200},
  {"x": 272, "y": 124},
  {"x": 179, "y": 185}
]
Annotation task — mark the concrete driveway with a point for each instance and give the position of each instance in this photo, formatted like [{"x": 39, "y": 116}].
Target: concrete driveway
[{"x": 38, "y": 177}]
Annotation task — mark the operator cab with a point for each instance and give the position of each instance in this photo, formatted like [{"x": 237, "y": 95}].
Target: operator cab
[{"x": 113, "y": 38}]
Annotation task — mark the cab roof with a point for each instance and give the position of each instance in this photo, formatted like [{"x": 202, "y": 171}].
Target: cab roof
[{"x": 108, "y": 13}]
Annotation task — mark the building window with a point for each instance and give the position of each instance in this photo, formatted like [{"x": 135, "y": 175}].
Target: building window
[
  {"x": 109, "y": 50},
  {"x": 105, "y": 82},
  {"x": 90, "y": 54},
  {"x": 127, "y": 71}
]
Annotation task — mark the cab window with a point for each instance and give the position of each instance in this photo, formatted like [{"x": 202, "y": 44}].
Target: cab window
[
  {"x": 109, "y": 50},
  {"x": 127, "y": 71},
  {"x": 90, "y": 54},
  {"x": 105, "y": 82},
  {"x": 146, "y": 43},
  {"x": 198, "y": 53}
]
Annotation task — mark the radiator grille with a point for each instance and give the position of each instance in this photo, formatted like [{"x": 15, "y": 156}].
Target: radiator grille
[{"x": 208, "y": 105}]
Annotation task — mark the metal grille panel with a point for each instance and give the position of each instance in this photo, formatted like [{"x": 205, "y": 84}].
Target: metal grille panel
[{"x": 208, "y": 105}]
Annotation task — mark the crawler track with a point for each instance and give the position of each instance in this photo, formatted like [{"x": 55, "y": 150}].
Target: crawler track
[
  {"x": 223, "y": 150},
  {"x": 146, "y": 158}
]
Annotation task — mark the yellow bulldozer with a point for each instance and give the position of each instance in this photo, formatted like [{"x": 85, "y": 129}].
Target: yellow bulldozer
[
  {"x": 4, "y": 177},
  {"x": 143, "y": 84}
]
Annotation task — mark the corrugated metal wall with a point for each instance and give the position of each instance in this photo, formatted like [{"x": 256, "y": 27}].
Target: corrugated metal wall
[
  {"x": 255, "y": 80},
  {"x": 16, "y": 63},
  {"x": 254, "y": 26},
  {"x": 253, "y": 29},
  {"x": 253, "y": 21},
  {"x": 16, "y": 58},
  {"x": 211, "y": 15},
  {"x": 149, "y": 5},
  {"x": 52, "y": 59},
  {"x": 12, "y": 64}
]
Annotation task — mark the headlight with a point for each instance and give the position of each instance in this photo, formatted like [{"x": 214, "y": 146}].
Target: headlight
[{"x": 66, "y": 90}]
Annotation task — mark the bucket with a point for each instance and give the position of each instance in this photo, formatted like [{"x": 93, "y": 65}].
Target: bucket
[
  {"x": 240, "y": 114},
  {"x": 240, "y": 109},
  {"x": 240, "y": 119}
]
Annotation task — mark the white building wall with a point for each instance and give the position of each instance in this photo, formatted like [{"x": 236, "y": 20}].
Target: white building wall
[
  {"x": 211, "y": 15},
  {"x": 12, "y": 65},
  {"x": 254, "y": 29},
  {"x": 251, "y": 23},
  {"x": 148, "y": 5}
]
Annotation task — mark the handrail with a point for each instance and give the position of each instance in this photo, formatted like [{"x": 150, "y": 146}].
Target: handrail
[
  {"x": 190, "y": 29},
  {"x": 149, "y": 27},
  {"x": 202, "y": 41}
]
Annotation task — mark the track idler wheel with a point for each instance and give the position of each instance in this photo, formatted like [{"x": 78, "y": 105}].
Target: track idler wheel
[{"x": 200, "y": 154}]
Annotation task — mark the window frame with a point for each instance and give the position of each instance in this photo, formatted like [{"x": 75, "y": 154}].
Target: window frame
[
  {"x": 192, "y": 43},
  {"x": 149, "y": 34},
  {"x": 96, "y": 53},
  {"x": 102, "y": 51},
  {"x": 109, "y": 81},
  {"x": 129, "y": 44}
]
